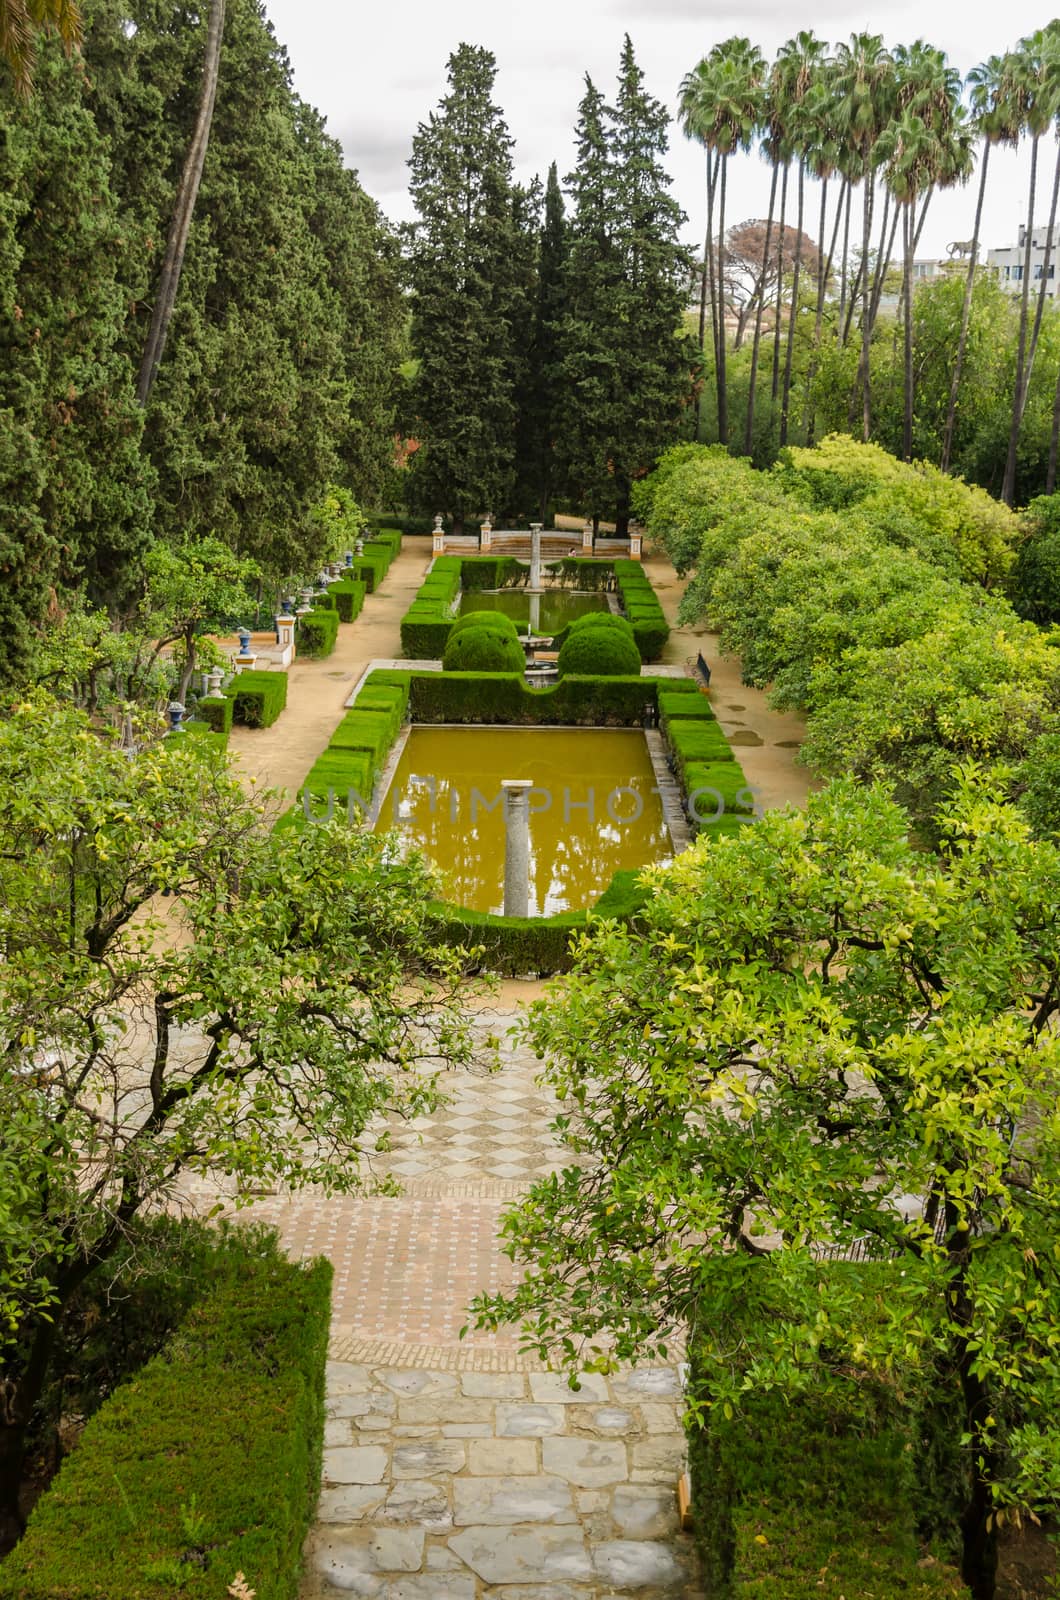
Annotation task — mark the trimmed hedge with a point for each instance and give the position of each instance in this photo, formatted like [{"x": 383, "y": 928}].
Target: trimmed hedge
[
  {"x": 684, "y": 705},
  {"x": 317, "y": 632},
  {"x": 580, "y": 572},
  {"x": 348, "y": 596},
  {"x": 205, "y": 1464},
  {"x": 373, "y": 564},
  {"x": 492, "y": 572},
  {"x": 506, "y": 697},
  {"x": 359, "y": 746},
  {"x": 603, "y": 652},
  {"x": 494, "y": 621},
  {"x": 692, "y": 739},
  {"x": 324, "y": 601},
  {"x": 483, "y": 650},
  {"x": 427, "y": 624},
  {"x": 641, "y": 605},
  {"x": 217, "y": 712},
  {"x": 725, "y": 786},
  {"x": 517, "y": 946},
  {"x": 258, "y": 698}
]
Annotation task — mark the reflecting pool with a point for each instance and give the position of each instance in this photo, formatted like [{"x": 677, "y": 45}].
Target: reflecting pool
[
  {"x": 593, "y": 810},
  {"x": 547, "y": 612}
]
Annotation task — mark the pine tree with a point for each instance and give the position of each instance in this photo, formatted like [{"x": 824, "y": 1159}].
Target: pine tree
[
  {"x": 468, "y": 297},
  {"x": 627, "y": 367}
]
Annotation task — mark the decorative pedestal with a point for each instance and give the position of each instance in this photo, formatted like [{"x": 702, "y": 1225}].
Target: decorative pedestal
[
  {"x": 587, "y": 539},
  {"x": 634, "y": 544},
  {"x": 485, "y": 538},
  {"x": 438, "y": 537},
  {"x": 244, "y": 661},
  {"x": 285, "y": 638},
  {"x": 516, "y": 846}
]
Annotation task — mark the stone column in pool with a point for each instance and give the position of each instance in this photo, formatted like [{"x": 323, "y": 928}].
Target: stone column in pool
[
  {"x": 535, "y": 613},
  {"x": 535, "y": 555},
  {"x": 516, "y": 846}
]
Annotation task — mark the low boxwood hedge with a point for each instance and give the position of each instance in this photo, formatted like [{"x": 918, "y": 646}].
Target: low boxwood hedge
[
  {"x": 317, "y": 632},
  {"x": 684, "y": 705},
  {"x": 426, "y": 625},
  {"x": 373, "y": 564},
  {"x": 258, "y": 697},
  {"x": 217, "y": 712},
  {"x": 492, "y": 572},
  {"x": 714, "y": 788},
  {"x": 469, "y": 697},
  {"x": 348, "y": 595},
  {"x": 692, "y": 739},
  {"x": 203, "y": 1465},
  {"x": 640, "y": 603}
]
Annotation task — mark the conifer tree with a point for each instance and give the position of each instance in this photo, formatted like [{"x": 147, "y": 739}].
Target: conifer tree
[
  {"x": 541, "y": 398},
  {"x": 627, "y": 367},
  {"x": 468, "y": 297}
]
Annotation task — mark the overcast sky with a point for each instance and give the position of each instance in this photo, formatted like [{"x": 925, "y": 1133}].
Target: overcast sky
[{"x": 376, "y": 71}]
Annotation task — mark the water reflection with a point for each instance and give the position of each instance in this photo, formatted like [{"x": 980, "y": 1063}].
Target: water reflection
[
  {"x": 593, "y": 810},
  {"x": 548, "y": 613}
]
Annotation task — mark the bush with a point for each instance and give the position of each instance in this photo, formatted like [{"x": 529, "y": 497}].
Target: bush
[
  {"x": 697, "y": 739},
  {"x": 206, "y": 1464},
  {"x": 502, "y": 697},
  {"x": 348, "y": 595},
  {"x": 593, "y": 619},
  {"x": 217, "y": 711},
  {"x": 337, "y": 775},
  {"x": 317, "y": 633},
  {"x": 716, "y": 788},
  {"x": 324, "y": 601},
  {"x": 495, "y": 621},
  {"x": 640, "y": 603},
  {"x": 427, "y": 624},
  {"x": 601, "y": 652},
  {"x": 483, "y": 650},
  {"x": 579, "y": 572},
  {"x": 258, "y": 698},
  {"x": 492, "y": 572},
  {"x": 683, "y": 705}
]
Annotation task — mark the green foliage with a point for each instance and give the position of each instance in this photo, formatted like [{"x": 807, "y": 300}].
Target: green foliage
[
  {"x": 504, "y": 697},
  {"x": 348, "y": 595},
  {"x": 317, "y": 632},
  {"x": 483, "y": 650},
  {"x": 599, "y": 652},
  {"x": 469, "y": 296},
  {"x": 257, "y": 697},
  {"x": 338, "y": 522},
  {"x": 682, "y": 705},
  {"x": 427, "y": 624},
  {"x": 491, "y": 572},
  {"x": 818, "y": 1491},
  {"x": 641, "y": 605},
  {"x": 821, "y": 1037},
  {"x": 1035, "y": 585},
  {"x": 164, "y": 1492},
  {"x": 492, "y": 621}
]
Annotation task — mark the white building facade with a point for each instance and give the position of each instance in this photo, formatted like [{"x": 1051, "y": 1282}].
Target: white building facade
[{"x": 1008, "y": 261}]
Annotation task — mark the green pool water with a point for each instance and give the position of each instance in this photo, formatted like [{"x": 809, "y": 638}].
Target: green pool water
[
  {"x": 593, "y": 810},
  {"x": 552, "y": 610}
]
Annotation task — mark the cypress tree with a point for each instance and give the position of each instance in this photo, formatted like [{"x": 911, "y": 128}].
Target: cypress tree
[
  {"x": 468, "y": 297},
  {"x": 627, "y": 366},
  {"x": 541, "y": 403}
]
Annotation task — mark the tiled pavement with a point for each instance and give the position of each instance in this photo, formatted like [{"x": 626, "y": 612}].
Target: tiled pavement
[{"x": 458, "y": 1468}]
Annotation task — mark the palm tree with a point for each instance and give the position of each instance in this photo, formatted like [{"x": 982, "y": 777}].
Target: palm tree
[
  {"x": 771, "y": 147},
  {"x": 184, "y": 207},
  {"x": 997, "y": 119},
  {"x": 824, "y": 159},
  {"x": 800, "y": 63},
  {"x": 721, "y": 106},
  {"x": 1036, "y": 98},
  {"x": 864, "y": 90},
  {"x": 22, "y": 21}
]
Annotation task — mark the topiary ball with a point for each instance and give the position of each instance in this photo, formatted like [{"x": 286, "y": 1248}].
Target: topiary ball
[
  {"x": 599, "y": 652},
  {"x": 495, "y": 621},
  {"x": 595, "y": 620},
  {"x": 483, "y": 650}
]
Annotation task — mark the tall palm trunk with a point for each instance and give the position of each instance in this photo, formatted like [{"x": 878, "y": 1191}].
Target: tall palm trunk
[
  {"x": 775, "y": 390},
  {"x": 184, "y": 208},
  {"x": 909, "y": 242},
  {"x": 785, "y": 400},
  {"x": 866, "y": 320},
  {"x": 723, "y": 393},
  {"x": 711, "y": 278},
  {"x": 883, "y": 258},
  {"x": 1054, "y": 441},
  {"x": 704, "y": 279},
  {"x": 840, "y": 325},
  {"x": 1008, "y": 486},
  {"x": 966, "y": 314},
  {"x": 749, "y": 428},
  {"x": 1043, "y": 285},
  {"x": 824, "y": 274}
]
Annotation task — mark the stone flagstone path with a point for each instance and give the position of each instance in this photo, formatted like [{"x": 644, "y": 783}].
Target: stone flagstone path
[{"x": 460, "y": 1469}]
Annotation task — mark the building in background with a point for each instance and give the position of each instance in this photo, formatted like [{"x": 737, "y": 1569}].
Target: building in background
[{"x": 1008, "y": 261}]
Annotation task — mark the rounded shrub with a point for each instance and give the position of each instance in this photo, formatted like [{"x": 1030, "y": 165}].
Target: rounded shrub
[
  {"x": 595, "y": 620},
  {"x": 599, "y": 652},
  {"x": 495, "y": 621},
  {"x": 483, "y": 650}
]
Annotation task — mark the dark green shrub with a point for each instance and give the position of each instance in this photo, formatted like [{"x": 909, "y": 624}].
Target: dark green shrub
[
  {"x": 502, "y": 697},
  {"x": 427, "y": 624},
  {"x": 216, "y": 711},
  {"x": 714, "y": 788},
  {"x": 578, "y": 572},
  {"x": 650, "y": 627},
  {"x": 206, "y": 1464},
  {"x": 324, "y": 601},
  {"x": 593, "y": 619},
  {"x": 348, "y": 594},
  {"x": 600, "y": 652},
  {"x": 495, "y": 621},
  {"x": 317, "y": 633},
  {"x": 483, "y": 650},
  {"x": 393, "y": 684},
  {"x": 492, "y": 572},
  {"x": 693, "y": 739},
  {"x": 258, "y": 697},
  {"x": 684, "y": 705},
  {"x": 365, "y": 728},
  {"x": 335, "y": 776}
]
